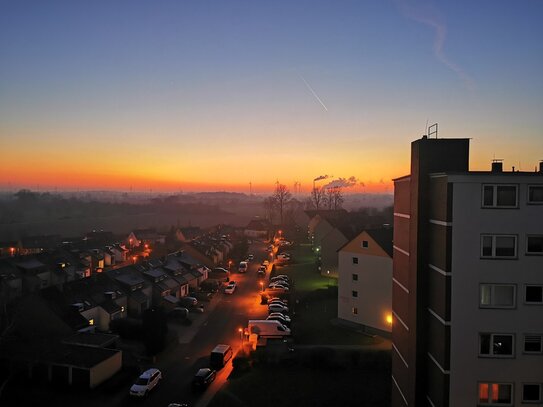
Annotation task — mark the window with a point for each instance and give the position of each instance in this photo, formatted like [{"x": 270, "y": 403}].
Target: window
[
  {"x": 496, "y": 394},
  {"x": 496, "y": 345},
  {"x": 532, "y": 343},
  {"x": 91, "y": 321},
  {"x": 497, "y": 296},
  {"x": 355, "y": 277},
  {"x": 365, "y": 244},
  {"x": 535, "y": 194},
  {"x": 355, "y": 311},
  {"x": 498, "y": 246},
  {"x": 533, "y": 294},
  {"x": 499, "y": 196},
  {"x": 534, "y": 244},
  {"x": 531, "y": 392},
  {"x": 355, "y": 260},
  {"x": 355, "y": 293}
]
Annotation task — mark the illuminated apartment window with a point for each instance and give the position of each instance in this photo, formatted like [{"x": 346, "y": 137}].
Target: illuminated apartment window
[
  {"x": 533, "y": 343},
  {"x": 531, "y": 393},
  {"x": 355, "y": 311},
  {"x": 497, "y": 295},
  {"x": 91, "y": 321},
  {"x": 496, "y": 394},
  {"x": 535, "y": 194},
  {"x": 500, "y": 196},
  {"x": 498, "y": 246},
  {"x": 496, "y": 345}
]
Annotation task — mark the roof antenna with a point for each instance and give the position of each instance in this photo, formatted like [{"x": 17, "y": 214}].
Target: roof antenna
[{"x": 432, "y": 130}]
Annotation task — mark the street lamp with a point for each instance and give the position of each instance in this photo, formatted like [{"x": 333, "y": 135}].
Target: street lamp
[
  {"x": 261, "y": 286},
  {"x": 240, "y": 330}
]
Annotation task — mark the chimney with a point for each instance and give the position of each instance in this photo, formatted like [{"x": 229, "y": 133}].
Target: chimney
[{"x": 497, "y": 166}]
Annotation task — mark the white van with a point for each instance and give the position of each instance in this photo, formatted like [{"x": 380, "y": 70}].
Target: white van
[
  {"x": 267, "y": 328},
  {"x": 243, "y": 266}
]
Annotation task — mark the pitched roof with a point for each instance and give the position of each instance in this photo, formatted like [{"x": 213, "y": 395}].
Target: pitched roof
[{"x": 383, "y": 237}]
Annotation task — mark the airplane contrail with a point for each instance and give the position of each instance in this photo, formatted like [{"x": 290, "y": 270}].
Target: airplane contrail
[{"x": 313, "y": 92}]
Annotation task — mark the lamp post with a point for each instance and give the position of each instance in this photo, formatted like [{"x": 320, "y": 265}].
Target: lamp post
[
  {"x": 240, "y": 330},
  {"x": 261, "y": 286}
]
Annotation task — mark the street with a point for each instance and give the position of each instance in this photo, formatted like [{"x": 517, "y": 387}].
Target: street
[{"x": 231, "y": 312}]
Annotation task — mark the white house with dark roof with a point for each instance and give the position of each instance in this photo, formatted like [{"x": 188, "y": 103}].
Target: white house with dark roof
[{"x": 365, "y": 281}]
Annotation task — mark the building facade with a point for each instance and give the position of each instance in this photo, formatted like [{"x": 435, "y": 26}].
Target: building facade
[
  {"x": 467, "y": 282},
  {"x": 365, "y": 282}
]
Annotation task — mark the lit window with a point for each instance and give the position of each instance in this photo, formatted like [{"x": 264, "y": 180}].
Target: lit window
[
  {"x": 531, "y": 392},
  {"x": 498, "y": 246},
  {"x": 496, "y": 394},
  {"x": 498, "y": 345},
  {"x": 355, "y": 311},
  {"x": 91, "y": 321},
  {"x": 533, "y": 294},
  {"x": 365, "y": 244},
  {"x": 355, "y": 277},
  {"x": 497, "y": 295},
  {"x": 499, "y": 196},
  {"x": 355, "y": 293},
  {"x": 535, "y": 194},
  {"x": 355, "y": 260},
  {"x": 534, "y": 244},
  {"x": 122, "y": 309},
  {"x": 532, "y": 343}
]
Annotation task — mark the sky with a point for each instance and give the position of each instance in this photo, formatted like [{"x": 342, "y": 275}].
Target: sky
[{"x": 238, "y": 95}]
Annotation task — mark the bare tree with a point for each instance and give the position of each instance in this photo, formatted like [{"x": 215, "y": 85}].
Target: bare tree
[
  {"x": 269, "y": 208},
  {"x": 318, "y": 195},
  {"x": 281, "y": 196},
  {"x": 337, "y": 196},
  {"x": 329, "y": 198}
]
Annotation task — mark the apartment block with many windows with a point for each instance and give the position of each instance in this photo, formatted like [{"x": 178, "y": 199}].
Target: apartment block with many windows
[{"x": 467, "y": 282}]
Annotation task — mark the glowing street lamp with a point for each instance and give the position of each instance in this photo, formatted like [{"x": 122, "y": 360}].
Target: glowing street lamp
[
  {"x": 389, "y": 319},
  {"x": 134, "y": 258},
  {"x": 240, "y": 330},
  {"x": 261, "y": 286}
]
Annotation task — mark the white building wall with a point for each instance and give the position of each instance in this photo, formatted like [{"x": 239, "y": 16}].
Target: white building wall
[
  {"x": 374, "y": 286},
  {"x": 469, "y": 270}
]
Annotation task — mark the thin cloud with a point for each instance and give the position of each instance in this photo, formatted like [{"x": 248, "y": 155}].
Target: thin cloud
[{"x": 425, "y": 12}]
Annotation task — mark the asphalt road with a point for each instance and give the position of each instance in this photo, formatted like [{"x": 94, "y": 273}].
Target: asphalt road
[{"x": 222, "y": 326}]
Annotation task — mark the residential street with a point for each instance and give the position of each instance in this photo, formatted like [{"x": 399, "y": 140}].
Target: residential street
[{"x": 220, "y": 324}]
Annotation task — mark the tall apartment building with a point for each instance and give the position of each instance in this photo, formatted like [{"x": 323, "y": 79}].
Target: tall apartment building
[{"x": 467, "y": 282}]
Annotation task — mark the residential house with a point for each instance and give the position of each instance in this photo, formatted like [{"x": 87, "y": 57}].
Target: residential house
[
  {"x": 138, "y": 290},
  {"x": 36, "y": 275},
  {"x": 257, "y": 228},
  {"x": 365, "y": 281},
  {"x": 11, "y": 282}
]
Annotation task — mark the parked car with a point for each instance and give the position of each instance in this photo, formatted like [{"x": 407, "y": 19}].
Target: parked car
[
  {"x": 275, "y": 286},
  {"x": 147, "y": 381},
  {"x": 280, "y": 277},
  {"x": 179, "y": 313},
  {"x": 266, "y": 263},
  {"x": 281, "y": 319},
  {"x": 281, "y": 315},
  {"x": 230, "y": 288},
  {"x": 277, "y": 301},
  {"x": 251, "y": 256},
  {"x": 243, "y": 266},
  {"x": 203, "y": 378},
  {"x": 187, "y": 302},
  {"x": 277, "y": 308},
  {"x": 283, "y": 257},
  {"x": 221, "y": 270}
]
